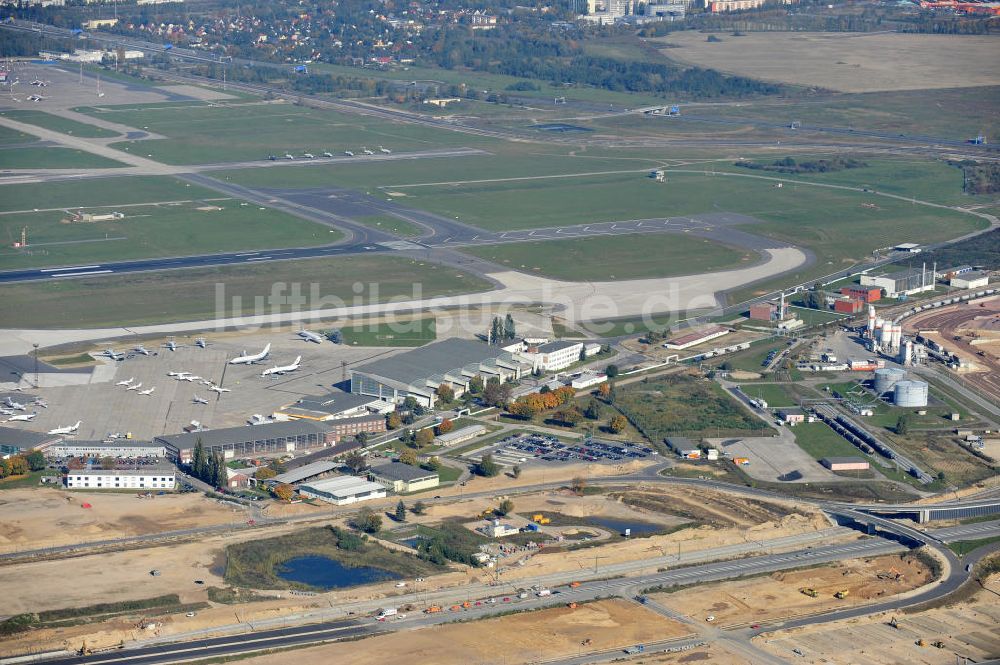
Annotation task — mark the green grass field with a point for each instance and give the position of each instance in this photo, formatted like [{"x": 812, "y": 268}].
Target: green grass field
[
  {"x": 963, "y": 547},
  {"x": 162, "y": 297},
  {"x": 175, "y": 229},
  {"x": 60, "y": 124},
  {"x": 820, "y": 441},
  {"x": 53, "y": 158},
  {"x": 774, "y": 394},
  {"x": 414, "y": 332},
  {"x": 616, "y": 257},
  {"x": 394, "y": 225},
  {"x": 108, "y": 192},
  {"x": 9, "y": 136},
  {"x": 207, "y": 134}
]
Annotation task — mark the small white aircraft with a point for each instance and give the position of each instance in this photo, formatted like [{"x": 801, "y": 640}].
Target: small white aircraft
[
  {"x": 367, "y": 151},
  {"x": 114, "y": 355},
  {"x": 178, "y": 375},
  {"x": 289, "y": 155},
  {"x": 349, "y": 153},
  {"x": 190, "y": 379},
  {"x": 14, "y": 405},
  {"x": 282, "y": 370},
  {"x": 219, "y": 390},
  {"x": 384, "y": 151},
  {"x": 205, "y": 382},
  {"x": 171, "y": 344},
  {"x": 23, "y": 417},
  {"x": 34, "y": 98},
  {"x": 40, "y": 402},
  {"x": 199, "y": 400},
  {"x": 40, "y": 83},
  {"x": 66, "y": 430},
  {"x": 141, "y": 349},
  {"x": 201, "y": 343},
  {"x": 327, "y": 153},
  {"x": 147, "y": 392},
  {"x": 309, "y": 155},
  {"x": 244, "y": 359},
  {"x": 310, "y": 336},
  {"x": 126, "y": 383},
  {"x": 135, "y": 387}
]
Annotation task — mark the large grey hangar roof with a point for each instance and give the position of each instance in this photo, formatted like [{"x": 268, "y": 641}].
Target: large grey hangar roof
[{"x": 437, "y": 358}]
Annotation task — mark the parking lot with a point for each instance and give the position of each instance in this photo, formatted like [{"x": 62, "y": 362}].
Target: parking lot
[{"x": 527, "y": 447}]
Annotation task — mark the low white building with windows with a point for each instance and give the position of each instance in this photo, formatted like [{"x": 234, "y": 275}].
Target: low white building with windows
[
  {"x": 553, "y": 356},
  {"x": 342, "y": 490},
  {"x": 155, "y": 477},
  {"x": 116, "y": 448}
]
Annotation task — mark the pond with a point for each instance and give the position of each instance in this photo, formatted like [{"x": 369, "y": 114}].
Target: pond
[
  {"x": 326, "y": 573},
  {"x": 619, "y": 525}
]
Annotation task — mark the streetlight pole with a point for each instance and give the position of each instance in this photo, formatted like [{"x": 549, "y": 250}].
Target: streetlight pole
[{"x": 36, "y": 363}]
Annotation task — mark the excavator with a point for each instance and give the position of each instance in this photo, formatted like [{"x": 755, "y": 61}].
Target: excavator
[
  {"x": 809, "y": 591},
  {"x": 840, "y": 595}
]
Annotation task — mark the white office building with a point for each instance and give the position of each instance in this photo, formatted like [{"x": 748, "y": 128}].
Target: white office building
[
  {"x": 157, "y": 477},
  {"x": 343, "y": 490},
  {"x": 553, "y": 356}
]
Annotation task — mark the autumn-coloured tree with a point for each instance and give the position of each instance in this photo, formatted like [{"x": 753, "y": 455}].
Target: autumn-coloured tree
[
  {"x": 408, "y": 457},
  {"x": 617, "y": 424},
  {"x": 604, "y": 390},
  {"x": 393, "y": 421},
  {"x": 445, "y": 393},
  {"x": 264, "y": 473},
  {"x": 284, "y": 491},
  {"x": 424, "y": 438},
  {"x": 445, "y": 426}
]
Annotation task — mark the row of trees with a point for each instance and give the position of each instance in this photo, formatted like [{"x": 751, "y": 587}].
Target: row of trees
[
  {"x": 791, "y": 165},
  {"x": 208, "y": 467},
  {"x": 502, "y": 330},
  {"x": 535, "y": 403},
  {"x": 18, "y": 465}
]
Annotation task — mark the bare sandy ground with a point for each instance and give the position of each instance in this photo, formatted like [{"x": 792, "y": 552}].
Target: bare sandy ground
[
  {"x": 777, "y": 596},
  {"x": 966, "y": 630},
  {"x": 34, "y": 518},
  {"x": 520, "y": 638},
  {"x": 848, "y": 62}
]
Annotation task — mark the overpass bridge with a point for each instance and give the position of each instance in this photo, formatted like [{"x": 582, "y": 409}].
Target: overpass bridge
[{"x": 931, "y": 512}]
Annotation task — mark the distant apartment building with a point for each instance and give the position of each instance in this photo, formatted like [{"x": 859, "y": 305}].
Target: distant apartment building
[{"x": 157, "y": 477}]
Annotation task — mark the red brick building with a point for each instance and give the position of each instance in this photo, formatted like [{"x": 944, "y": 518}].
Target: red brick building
[{"x": 863, "y": 293}]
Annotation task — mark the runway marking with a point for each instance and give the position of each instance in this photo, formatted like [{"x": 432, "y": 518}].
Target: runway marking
[
  {"x": 68, "y": 268},
  {"x": 79, "y": 274},
  {"x": 259, "y": 258}
]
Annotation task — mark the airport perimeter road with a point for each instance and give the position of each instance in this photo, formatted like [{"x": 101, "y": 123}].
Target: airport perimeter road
[{"x": 331, "y": 630}]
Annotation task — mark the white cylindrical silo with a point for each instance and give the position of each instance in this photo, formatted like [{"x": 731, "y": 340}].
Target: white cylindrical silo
[
  {"x": 886, "y": 378},
  {"x": 910, "y": 393}
]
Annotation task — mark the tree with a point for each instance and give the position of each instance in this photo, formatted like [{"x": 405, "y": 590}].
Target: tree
[
  {"x": 408, "y": 457},
  {"x": 506, "y": 506},
  {"x": 583, "y": 354},
  {"x": 36, "y": 460},
  {"x": 569, "y": 416},
  {"x": 611, "y": 371},
  {"x": 433, "y": 464},
  {"x": 487, "y": 467},
  {"x": 617, "y": 424},
  {"x": 108, "y": 462},
  {"x": 496, "y": 330},
  {"x": 476, "y": 385},
  {"x": 445, "y": 393},
  {"x": 356, "y": 462},
  {"x": 410, "y": 403},
  {"x": 264, "y": 473},
  {"x": 393, "y": 421},
  {"x": 604, "y": 390},
  {"x": 424, "y": 438},
  {"x": 283, "y": 491},
  {"x": 16, "y": 465},
  {"x": 593, "y": 410},
  {"x": 400, "y": 514},
  {"x": 198, "y": 459},
  {"x": 903, "y": 425},
  {"x": 509, "y": 331},
  {"x": 368, "y": 521},
  {"x": 578, "y": 485},
  {"x": 496, "y": 393},
  {"x": 516, "y": 471},
  {"x": 445, "y": 426},
  {"x": 419, "y": 508},
  {"x": 361, "y": 437}
]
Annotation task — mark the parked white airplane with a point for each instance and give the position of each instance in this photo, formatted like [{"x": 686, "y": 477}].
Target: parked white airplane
[
  {"x": 384, "y": 151},
  {"x": 178, "y": 375},
  {"x": 367, "y": 151},
  {"x": 190, "y": 379},
  {"x": 23, "y": 417},
  {"x": 147, "y": 392},
  {"x": 205, "y": 382},
  {"x": 14, "y": 405},
  {"x": 327, "y": 153},
  {"x": 40, "y": 402},
  {"x": 171, "y": 344},
  {"x": 349, "y": 153},
  {"x": 244, "y": 359},
  {"x": 135, "y": 387},
  {"x": 66, "y": 430},
  {"x": 141, "y": 349},
  {"x": 201, "y": 343},
  {"x": 281, "y": 370},
  {"x": 289, "y": 155},
  {"x": 310, "y": 336},
  {"x": 199, "y": 400},
  {"x": 219, "y": 390},
  {"x": 114, "y": 355},
  {"x": 309, "y": 155},
  {"x": 126, "y": 383}
]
